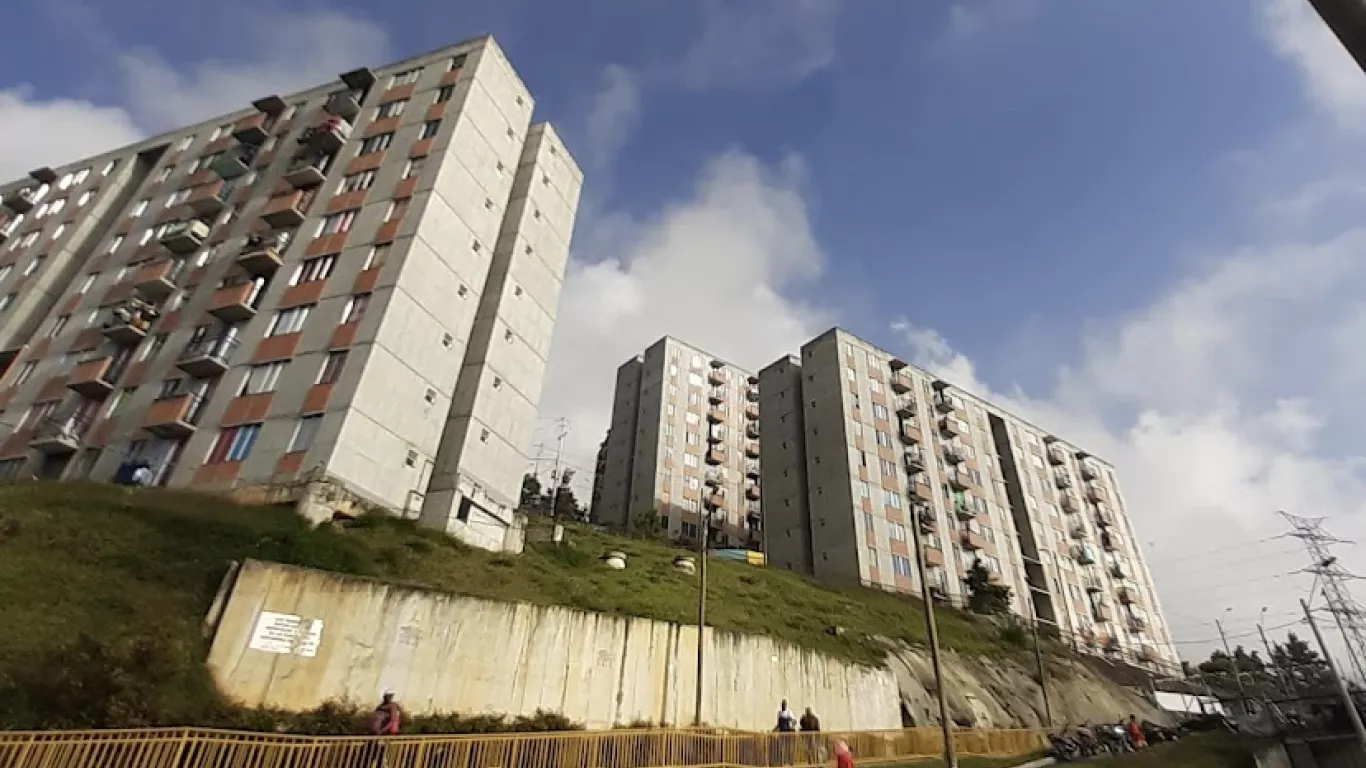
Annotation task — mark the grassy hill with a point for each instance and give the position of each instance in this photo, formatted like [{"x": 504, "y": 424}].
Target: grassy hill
[
  {"x": 104, "y": 591},
  {"x": 1203, "y": 750}
]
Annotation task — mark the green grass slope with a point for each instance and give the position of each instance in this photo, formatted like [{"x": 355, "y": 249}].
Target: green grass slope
[
  {"x": 1202, "y": 750},
  {"x": 105, "y": 589}
]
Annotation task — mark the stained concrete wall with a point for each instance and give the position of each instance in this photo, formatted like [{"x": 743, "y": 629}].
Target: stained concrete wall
[{"x": 447, "y": 653}]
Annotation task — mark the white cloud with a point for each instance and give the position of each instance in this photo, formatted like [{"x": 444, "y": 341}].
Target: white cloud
[
  {"x": 713, "y": 268},
  {"x": 1332, "y": 78},
  {"x": 760, "y": 43},
  {"x": 53, "y": 132},
  {"x": 613, "y": 115}
]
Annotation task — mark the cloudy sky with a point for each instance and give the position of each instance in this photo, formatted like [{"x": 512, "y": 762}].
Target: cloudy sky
[{"x": 1138, "y": 223}]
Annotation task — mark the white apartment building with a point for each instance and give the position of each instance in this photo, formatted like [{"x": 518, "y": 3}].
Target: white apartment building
[
  {"x": 859, "y": 446},
  {"x": 357, "y": 282},
  {"x": 684, "y": 439}
]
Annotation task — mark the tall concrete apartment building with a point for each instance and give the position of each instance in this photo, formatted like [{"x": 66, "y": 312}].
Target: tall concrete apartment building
[
  {"x": 356, "y": 283},
  {"x": 859, "y": 446},
  {"x": 684, "y": 439}
]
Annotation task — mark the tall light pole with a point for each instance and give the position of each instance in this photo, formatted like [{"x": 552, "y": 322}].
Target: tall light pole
[
  {"x": 1237, "y": 676},
  {"x": 945, "y": 723},
  {"x": 1352, "y": 713},
  {"x": 1270, "y": 656}
]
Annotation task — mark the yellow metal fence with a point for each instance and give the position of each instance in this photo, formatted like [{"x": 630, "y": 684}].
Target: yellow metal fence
[{"x": 204, "y": 748}]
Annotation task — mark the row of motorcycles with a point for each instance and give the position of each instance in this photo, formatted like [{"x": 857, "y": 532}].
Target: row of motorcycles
[{"x": 1086, "y": 741}]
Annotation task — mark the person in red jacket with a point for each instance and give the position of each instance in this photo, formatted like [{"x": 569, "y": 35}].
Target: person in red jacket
[{"x": 843, "y": 757}]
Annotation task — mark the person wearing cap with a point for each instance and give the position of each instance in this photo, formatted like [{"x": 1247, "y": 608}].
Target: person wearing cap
[{"x": 384, "y": 721}]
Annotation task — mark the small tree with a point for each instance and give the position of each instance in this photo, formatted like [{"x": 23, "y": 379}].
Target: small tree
[
  {"x": 531, "y": 493},
  {"x": 984, "y": 595}
]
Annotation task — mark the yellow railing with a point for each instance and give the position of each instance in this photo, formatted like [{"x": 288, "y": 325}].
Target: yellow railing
[{"x": 205, "y": 748}]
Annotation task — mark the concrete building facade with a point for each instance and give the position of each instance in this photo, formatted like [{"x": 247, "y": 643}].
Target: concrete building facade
[
  {"x": 357, "y": 282},
  {"x": 683, "y": 440},
  {"x": 859, "y": 446}
]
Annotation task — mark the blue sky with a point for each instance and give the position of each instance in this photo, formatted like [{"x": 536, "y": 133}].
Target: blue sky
[{"x": 1135, "y": 222}]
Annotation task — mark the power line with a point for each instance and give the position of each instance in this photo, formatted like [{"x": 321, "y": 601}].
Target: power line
[
  {"x": 1216, "y": 550},
  {"x": 1347, "y": 612}
]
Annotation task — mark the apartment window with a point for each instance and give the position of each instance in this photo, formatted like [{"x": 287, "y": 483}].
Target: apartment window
[
  {"x": 355, "y": 308},
  {"x": 58, "y": 325},
  {"x": 901, "y": 566},
  {"x": 875, "y": 386},
  {"x": 406, "y": 77},
  {"x": 444, "y": 94},
  {"x": 377, "y": 143},
  {"x": 377, "y": 257},
  {"x": 390, "y": 109},
  {"x": 336, "y": 223},
  {"x": 396, "y": 210},
  {"x": 219, "y": 131},
  {"x": 356, "y": 182},
  {"x": 692, "y": 418},
  {"x": 163, "y": 174},
  {"x": 887, "y": 467},
  {"x": 884, "y": 439},
  {"x": 146, "y": 236},
  {"x": 57, "y": 233},
  {"x": 25, "y": 372},
  {"x": 115, "y": 244},
  {"x": 177, "y": 197},
  {"x": 261, "y": 379},
  {"x": 26, "y": 240},
  {"x": 896, "y": 531},
  {"x": 304, "y": 432},
  {"x": 33, "y": 265},
  {"x": 891, "y": 498},
  {"x": 289, "y": 320},
  {"x": 57, "y": 206},
  {"x": 430, "y": 128},
  {"x": 457, "y": 62},
  {"x": 234, "y": 443},
  {"x": 689, "y": 460},
  {"x": 184, "y": 143},
  {"x": 414, "y": 167},
  {"x": 38, "y": 412},
  {"x": 872, "y": 557},
  {"x": 332, "y": 367},
  {"x": 879, "y": 411},
  {"x": 863, "y": 490},
  {"x": 851, "y": 374},
  {"x": 317, "y": 268},
  {"x": 152, "y": 347},
  {"x": 85, "y": 197}
]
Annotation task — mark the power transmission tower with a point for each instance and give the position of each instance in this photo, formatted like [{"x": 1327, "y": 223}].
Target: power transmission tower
[
  {"x": 1333, "y": 577},
  {"x": 562, "y": 431}
]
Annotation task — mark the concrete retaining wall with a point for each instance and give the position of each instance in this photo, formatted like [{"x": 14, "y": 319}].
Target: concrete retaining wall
[{"x": 292, "y": 638}]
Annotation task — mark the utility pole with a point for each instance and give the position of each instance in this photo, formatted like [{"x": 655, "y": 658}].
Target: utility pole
[
  {"x": 562, "y": 431},
  {"x": 945, "y": 723},
  {"x": 714, "y": 490},
  {"x": 1281, "y": 677},
  {"x": 1349, "y": 615},
  {"x": 1337, "y": 678},
  {"x": 1237, "y": 675},
  {"x": 1038, "y": 660}
]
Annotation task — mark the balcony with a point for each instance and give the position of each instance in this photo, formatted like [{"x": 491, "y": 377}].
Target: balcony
[
  {"x": 1119, "y": 570},
  {"x": 958, "y": 480},
  {"x": 1104, "y": 518},
  {"x": 972, "y": 541},
  {"x": 255, "y": 129},
  {"x": 328, "y": 136},
  {"x": 945, "y": 402},
  {"x": 237, "y": 301},
  {"x": 1069, "y": 503},
  {"x": 95, "y": 378},
  {"x": 914, "y": 460},
  {"x": 934, "y": 558},
  {"x": 752, "y": 450},
  {"x": 752, "y": 492},
  {"x": 716, "y": 395},
  {"x": 1062, "y": 480},
  {"x": 906, "y": 407},
  {"x": 1145, "y": 653},
  {"x": 1078, "y": 532},
  {"x": 1089, "y": 470},
  {"x": 307, "y": 170},
  {"x": 156, "y": 279},
  {"x": 127, "y": 325},
  {"x": 963, "y": 510},
  {"x": 1091, "y": 583},
  {"x": 925, "y": 518},
  {"x": 717, "y": 377},
  {"x": 909, "y": 433},
  {"x": 185, "y": 237},
  {"x": 208, "y": 357},
  {"x": 210, "y": 199},
  {"x": 261, "y": 256},
  {"x": 20, "y": 201},
  {"x": 235, "y": 162},
  {"x": 1128, "y": 594},
  {"x": 950, "y": 427},
  {"x": 902, "y": 382},
  {"x": 1057, "y": 455},
  {"x": 174, "y": 416},
  {"x": 345, "y": 104},
  {"x": 954, "y": 453},
  {"x": 752, "y": 469},
  {"x": 714, "y": 478},
  {"x": 752, "y": 393},
  {"x": 752, "y": 430},
  {"x": 1100, "y": 611},
  {"x": 57, "y": 435},
  {"x": 716, "y": 456},
  {"x": 716, "y": 416},
  {"x": 1109, "y": 541},
  {"x": 752, "y": 412},
  {"x": 716, "y": 500},
  {"x": 714, "y": 436},
  {"x": 1084, "y": 554},
  {"x": 1094, "y": 493},
  {"x": 287, "y": 211}
]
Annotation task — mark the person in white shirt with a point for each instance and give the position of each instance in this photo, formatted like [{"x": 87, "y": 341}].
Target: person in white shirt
[{"x": 787, "y": 722}]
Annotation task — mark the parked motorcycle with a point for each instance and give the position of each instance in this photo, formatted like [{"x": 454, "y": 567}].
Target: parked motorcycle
[{"x": 1113, "y": 738}]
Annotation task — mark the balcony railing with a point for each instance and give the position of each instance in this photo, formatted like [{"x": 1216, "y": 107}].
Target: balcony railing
[
  {"x": 128, "y": 323},
  {"x": 209, "y": 356},
  {"x": 185, "y": 237},
  {"x": 62, "y": 433},
  {"x": 263, "y": 254}
]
